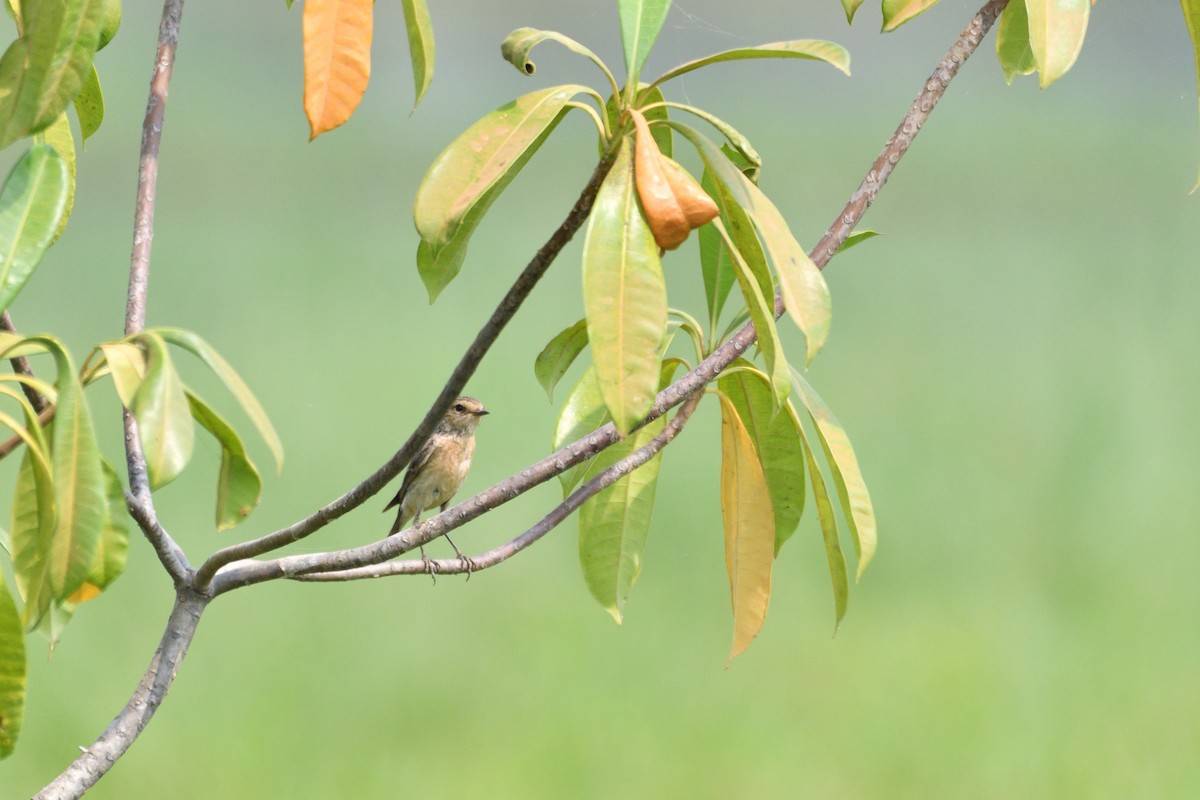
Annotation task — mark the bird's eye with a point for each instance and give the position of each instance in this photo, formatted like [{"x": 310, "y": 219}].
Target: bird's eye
[{"x": 459, "y": 407}]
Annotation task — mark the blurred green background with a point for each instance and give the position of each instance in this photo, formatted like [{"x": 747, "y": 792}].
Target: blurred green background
[{"x": 1015, "y": 362}]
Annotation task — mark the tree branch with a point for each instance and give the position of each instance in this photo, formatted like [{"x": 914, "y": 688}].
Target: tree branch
[
  {"x": 169, "y": 553},
  {"x": 96, "y": 760},
  {"x": 235, "y": 575},
  {"x": 546, "y": 524},
  {"x": 458, "y": 380}
]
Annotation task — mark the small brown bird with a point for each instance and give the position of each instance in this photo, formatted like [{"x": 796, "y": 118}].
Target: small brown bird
[{"x": 439, "y": 468}]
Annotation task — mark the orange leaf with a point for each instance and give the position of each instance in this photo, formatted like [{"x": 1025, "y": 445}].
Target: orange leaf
[
  {"x": 337, "y": 60},
  {"x": 663, "y": 213},
  {"x": 697, "y": 206}
]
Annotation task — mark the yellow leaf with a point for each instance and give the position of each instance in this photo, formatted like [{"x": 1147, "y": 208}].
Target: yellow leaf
[
  {"x": 337, "y": 60},
  {"x": 749, "y": 528}
]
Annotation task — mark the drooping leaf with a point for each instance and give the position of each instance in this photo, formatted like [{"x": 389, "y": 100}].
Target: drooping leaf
[
  {"x": 127, "y": 366},
  {"x": 110, "y": 22},
  {"x": 46, "y": 67},
  {"x": 641, "y": 22},
  {"x": 239, "y": 487},
  {"x": 58, "y": 135},
  {"x": 582, "y": 413},
  {"x": 33, "y": 203},
  {"x": 1012, "y": 42},
  {"x": 850, "y": 6},
  {"x": 811, "y": 49},
  {"x": 715, "y": 265},
  {"x": 78, "y": 485},
  {"x": 12, "y": 672},
  {"x": 857, "y": 238},
  {"x": 1056, "y": 31},
  {"x": 337, "y": 60},
  {"x": 804, "y": 291},
  {"x": 31, "y": 531},
  {"x": 736, "y": 140},
  {"x": 163, "y": 418},
  {"x": 421, "y": 49},
  {"x": 614, "y": 524},
  {"x": 470, "y": 174},
  {"x": 89, "y": 106},
  {"x": 233, "y": 382},
  {"x": 898, "y": 12},
  {"x": 847, "y": 477},
  {"x": 557, "y": 356},
  {"x": 829, "y": 533},
  {"x": 749, "y": 529},
  {"x": 1191, "y": 15},
  {"x": 777, "y": 440},
  {"x": 624, "y": 296},
  {"x": 113, "y": 549}
]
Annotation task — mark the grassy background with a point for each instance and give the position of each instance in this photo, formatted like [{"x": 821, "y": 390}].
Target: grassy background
[{"x": 1015, "y": 361}]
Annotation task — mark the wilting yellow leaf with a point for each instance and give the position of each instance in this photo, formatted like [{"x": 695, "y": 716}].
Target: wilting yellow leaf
[
  {"x": 749, "y": 529},
  {"x": 337, "y": 60}
]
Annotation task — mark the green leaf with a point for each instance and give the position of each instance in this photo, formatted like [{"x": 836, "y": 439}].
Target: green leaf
[
  {"x": 51, "y": 60},
  {"x": 777, "y": 440},
  {"x": 898, "y": 12},
  {"x": 110, "y": 22},
  {"x": 516, "y": 46},
  {"x": 31, "y": 531},
  {"x": 641, "y": 22},
  {"x": 624, "y": 296},
  {"x": 750, "y": 267},
  {"x": 740, "y": 143},
  {"x": 126, "y": 365},
  {"x": 556, "y": 358},
  {"x": 847, "y": 477},
  {"x": 233, "y": 382},
  {"x": 811, "y": 49},
  {"x": 163, "y": 418},
  {"x": 12, "y": 672},
  {"x": 829, "y": 533},
  {"x": 582, "y": 413},
  {"x": 1191, "y": 14},
  {"x": 239, "y": 487},
  {"x": 33, "y": 205},
  {"x": 420, "y": 45},
  {"x": 715, "y": 264},
  {"x": 1056, "y": 31},
  {"x": 804, "y": 291},
  {"x": 58, "y": 136},
  {"x": 89, "y": 106},
  {"x": 113, "y": 550},
  {"x": 749, "y": 529},
  {"x": 470, "y": 174},
  {"x": 850, "y": 6},
  {"x": 857, "y": 238},
  {"x": 1012, "y": 42},
  {"x": 614, "y": 523}
]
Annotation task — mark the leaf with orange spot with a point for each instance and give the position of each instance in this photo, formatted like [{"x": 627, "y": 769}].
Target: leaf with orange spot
[{"x": 337, "y": 60}]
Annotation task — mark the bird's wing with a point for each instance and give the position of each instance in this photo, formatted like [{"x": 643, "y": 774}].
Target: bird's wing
[{"x": 413, "y": 469}]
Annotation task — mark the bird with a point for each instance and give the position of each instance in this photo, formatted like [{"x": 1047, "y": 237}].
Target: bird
[{"x": 439, "y": 469}]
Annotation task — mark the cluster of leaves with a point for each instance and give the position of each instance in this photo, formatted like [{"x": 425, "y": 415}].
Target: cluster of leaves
[
  {"x": 68, "y": 534},
  {"x": 646, "y": 205}
]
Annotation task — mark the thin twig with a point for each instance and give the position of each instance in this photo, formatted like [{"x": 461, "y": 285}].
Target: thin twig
[
  {"x": 458, "y": 380},
  {"x": 91, "y": 765},
  {"x": 546, "y": 524},
  {"x": 169, "y": 552},
  {"x": 20, "y": 365},
  {"x": 250, "y": 572}
]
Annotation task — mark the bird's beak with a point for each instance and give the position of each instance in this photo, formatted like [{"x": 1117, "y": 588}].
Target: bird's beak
[{"x": 482, "y": 412}]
